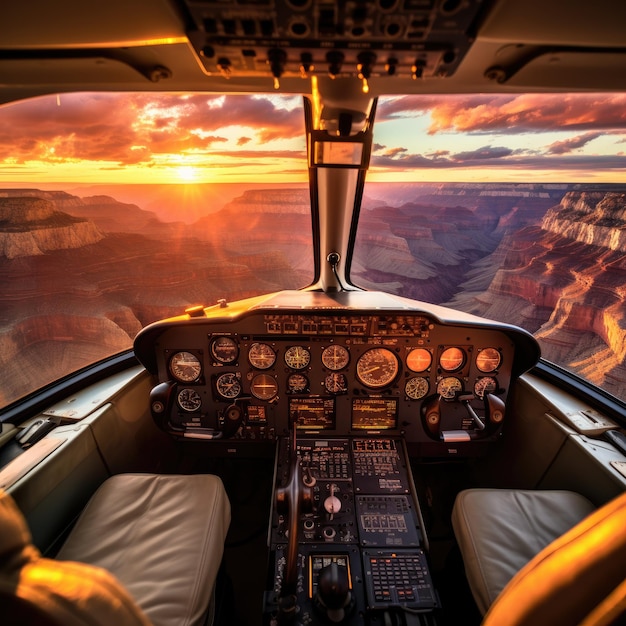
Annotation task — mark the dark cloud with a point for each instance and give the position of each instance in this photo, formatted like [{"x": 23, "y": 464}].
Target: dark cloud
[{"x": 572, "y": 144}]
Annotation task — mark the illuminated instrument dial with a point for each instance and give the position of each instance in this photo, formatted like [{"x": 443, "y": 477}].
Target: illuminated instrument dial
[
  {"x": 264, "y": 387},
  {"x": 224, "y": 350},
  {"x": 488, "y": 360},
  {"x": 451, "y": 359},
  {"x": 485, "y": 385},
  {"x": 297, "y": 383},
  {"x": 449, "y": 387},
  {"x": 185, "y": 367},
  {"x": 336, "y": 383},
  {"x": 377, "y": 368},
  {"x": 189, "y": 400},
  {"x": 228, "y": 385},
  {"x": 419, "y": 359},
  {"x": 261, "y": 356},
  {"x": 416, "y": 387},
  {"x": 335, "y": 357},
  {"x": 297, "y": 357}
]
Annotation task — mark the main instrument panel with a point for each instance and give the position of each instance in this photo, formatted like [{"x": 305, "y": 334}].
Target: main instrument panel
[{"x": 345, "y": 372}]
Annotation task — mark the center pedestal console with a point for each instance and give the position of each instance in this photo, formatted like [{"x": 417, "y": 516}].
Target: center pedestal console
[{"x": 361, "y": 556}]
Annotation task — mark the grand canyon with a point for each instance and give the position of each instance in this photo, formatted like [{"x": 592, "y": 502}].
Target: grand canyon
[{"x": 82, "y": 272}]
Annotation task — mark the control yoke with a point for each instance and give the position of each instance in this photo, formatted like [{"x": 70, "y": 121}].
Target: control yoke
[
  {"x": 292, "y": 500},
  {"x": 485, "y": 426}
]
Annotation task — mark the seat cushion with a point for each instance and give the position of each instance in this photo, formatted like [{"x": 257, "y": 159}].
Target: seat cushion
[
  {"x": 162, "y": 536},
  {"x": 499, "y": 531},
  {"x": 579, "y": 579},
  {"x": 36, "y": 590}
]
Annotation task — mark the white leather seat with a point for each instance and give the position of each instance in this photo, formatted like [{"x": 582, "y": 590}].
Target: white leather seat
[
  {"x": 145, "y": 551},
  {"x": 499, "y": 531},
  {"x": 161, "y": 536}
]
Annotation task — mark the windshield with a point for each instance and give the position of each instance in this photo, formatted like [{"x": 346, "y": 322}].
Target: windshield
[
  {"x": 117, "y": 210},
  {"x": 511, "y": 207}
]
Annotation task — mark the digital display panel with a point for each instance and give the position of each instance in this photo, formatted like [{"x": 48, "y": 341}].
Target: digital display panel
[
  {"x": 256, "y": 415},
  {"x": 312, "y": 413},
  {"x": 374, "y": 413}
]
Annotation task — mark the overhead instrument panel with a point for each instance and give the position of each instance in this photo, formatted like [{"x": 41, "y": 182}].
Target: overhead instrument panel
[
  {"x": 251, "y": 377},
  {"x": 302, "y": 38}
]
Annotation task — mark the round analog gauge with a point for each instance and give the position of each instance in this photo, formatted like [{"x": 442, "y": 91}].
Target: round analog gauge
[
  {"x": 484, "y": 385},
  {"x": 297, "y": 357},
  {"x": 451, "y": 359},
  {"x": 377, "y": 368},
  {"x": 449, "y": 387},
  {"x": 335, "y": 357},
  {"x": 185, "y": 367},
  {"x": 297, "y": 383},
  {"x": 189, "y": 400},
  {"x": 419, "y": 359},
  {"x": 261, "y": 356},
  {"x": 228, "y": 385},
  {"x": 416, "y": 387},
  {"x": 224, "y": 349},
  {"x": 488, "y": 360},
  {"x": 264, "y": 387},
  {"x": 336, "y": 383}
]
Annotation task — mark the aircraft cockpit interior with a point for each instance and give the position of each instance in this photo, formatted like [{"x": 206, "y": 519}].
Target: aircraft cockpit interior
[{"x": 394, "y": 418}]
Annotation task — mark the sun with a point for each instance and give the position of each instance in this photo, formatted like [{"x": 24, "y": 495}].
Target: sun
[{"x": 187, "y": 173}]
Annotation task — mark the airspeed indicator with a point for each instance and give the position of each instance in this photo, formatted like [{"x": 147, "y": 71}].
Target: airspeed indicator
[{"x": 377, "y": 368}]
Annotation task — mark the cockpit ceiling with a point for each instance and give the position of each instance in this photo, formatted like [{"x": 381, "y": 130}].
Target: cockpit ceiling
[{"x": 394, "y": 46}]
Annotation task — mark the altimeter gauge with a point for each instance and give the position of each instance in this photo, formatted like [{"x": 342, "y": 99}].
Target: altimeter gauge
[
  {"x": 261, "y": 356},
  {"x": 335, "y": 357},
  {"x": 228, "y": 385},
  {"x": 297, "y": 357},
  {"x": 224, "y": 350},
  {"x": 416, "y": 387},
  {"x": 377, "y": 368},
  {"x": 449, "y": 387},
  {"x": 185, "y": 367},
  {"x": 484, "y": 385},
  {"x": 336, "y": 383},
  {"x": 297, "y": 383},
  {"x": 189, "y": 400}
]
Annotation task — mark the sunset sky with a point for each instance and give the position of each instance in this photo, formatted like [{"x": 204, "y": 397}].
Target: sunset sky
[{"x": 170, "y": 138}]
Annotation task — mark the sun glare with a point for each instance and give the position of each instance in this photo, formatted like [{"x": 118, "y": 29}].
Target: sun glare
[{"x": 186, "y": 173}]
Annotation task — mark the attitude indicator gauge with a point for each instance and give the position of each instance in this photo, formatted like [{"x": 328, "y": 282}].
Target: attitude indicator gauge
[
  {"x": 185, "y": 367},
  {"x": 488, "y": 360},
  {"x": 452, "y": 359},
  {"x": 419, "y": 359},
  {"x": 264, "y": 387}
]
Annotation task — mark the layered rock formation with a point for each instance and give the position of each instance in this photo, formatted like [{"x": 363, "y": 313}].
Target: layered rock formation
[
  {"x": 32, "y": 226},
  {"x": 564, "y": 281}
]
